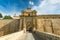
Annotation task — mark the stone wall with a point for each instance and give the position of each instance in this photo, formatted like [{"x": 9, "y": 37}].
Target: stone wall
[
  {"x": 49, "y": 25},
  {"x": 46, "y": 36},
  {"x": 56, "y": 26},
  {"x": 9, "y": 26},
  {"x": 40, "y": 25}
]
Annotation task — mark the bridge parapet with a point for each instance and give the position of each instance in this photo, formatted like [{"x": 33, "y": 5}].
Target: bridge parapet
[{"x": 47, "y": 36}]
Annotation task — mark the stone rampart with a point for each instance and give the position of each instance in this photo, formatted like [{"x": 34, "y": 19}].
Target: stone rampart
[
  {"x": 49, "y": 25},
  {"x": 9, "y": 26}
]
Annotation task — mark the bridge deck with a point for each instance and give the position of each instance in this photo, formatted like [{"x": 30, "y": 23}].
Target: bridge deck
[
  {"x": 29, "y": 36},
  {"x": 18, "y": 36}
]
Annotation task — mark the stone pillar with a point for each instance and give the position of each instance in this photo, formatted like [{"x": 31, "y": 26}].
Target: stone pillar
[
  {"x": 20, "y": 25},
  {"x": 24, "y": 25},
  {"x": 35, "y": 23}
]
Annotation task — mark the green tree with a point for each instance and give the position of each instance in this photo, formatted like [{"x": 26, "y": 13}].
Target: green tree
[
  {"x": 7, "y": 17},
  {"x": 1, "y": 15}
]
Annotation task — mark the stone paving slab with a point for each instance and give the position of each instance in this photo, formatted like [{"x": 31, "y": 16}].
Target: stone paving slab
[
  {"x": 29, "y": 36},
  {"x": 18, "y": 36},
  {"x": 13, "y": 36}
]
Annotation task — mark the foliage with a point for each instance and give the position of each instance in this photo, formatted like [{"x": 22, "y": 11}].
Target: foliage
[
  {"x": 7, "y": 17},
  {"x": 1, "y": 15}
]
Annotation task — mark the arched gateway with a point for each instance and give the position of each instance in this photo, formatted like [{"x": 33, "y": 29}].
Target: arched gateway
[{"x": 28, "y": 20}]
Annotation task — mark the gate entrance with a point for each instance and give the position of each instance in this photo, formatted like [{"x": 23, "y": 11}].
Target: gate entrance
[
  {"x": 29, "y": 24},
  {"x": 28, "y": 19}
]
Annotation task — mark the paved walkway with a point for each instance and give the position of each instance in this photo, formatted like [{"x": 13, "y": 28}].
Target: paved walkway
[
  {"x": 14, "y": 36},
  {"x": 18, "y": 36},
  {"x": 29, "y": 36}
]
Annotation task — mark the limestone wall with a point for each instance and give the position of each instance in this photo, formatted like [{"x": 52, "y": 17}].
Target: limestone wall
[
  {"x": 46, "y": 36},
  {"x": 9, "y": 26},
  {"x": 56, "y": 26},
  {"x": 49, "y": 25},
  {"x": 40, "y": 25}
]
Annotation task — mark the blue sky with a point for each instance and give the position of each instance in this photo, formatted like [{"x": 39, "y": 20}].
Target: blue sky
[{"x": 10, "y": 7}]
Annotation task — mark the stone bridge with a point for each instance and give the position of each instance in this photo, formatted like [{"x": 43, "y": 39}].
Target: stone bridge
[
  {"x": 21, "y": 35},
  {"x": 12, "y": 26},
  {"x": 30, "y": 21}
]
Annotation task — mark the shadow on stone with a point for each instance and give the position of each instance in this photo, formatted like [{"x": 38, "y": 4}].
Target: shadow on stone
[{"x": 35, "y": 36}]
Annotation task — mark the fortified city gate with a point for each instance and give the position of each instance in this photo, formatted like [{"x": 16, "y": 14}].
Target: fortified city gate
[{"x": 28, "y": 20}]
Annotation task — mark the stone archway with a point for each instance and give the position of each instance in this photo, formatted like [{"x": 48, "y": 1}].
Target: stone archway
[{"x": 29, "y": 26}]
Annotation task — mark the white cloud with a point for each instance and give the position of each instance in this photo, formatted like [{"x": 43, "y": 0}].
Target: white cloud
[
  {"x": 54, "y": 1},
  {"x": 31, "y": 3},
  {"x": 48, "y": 7}
]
